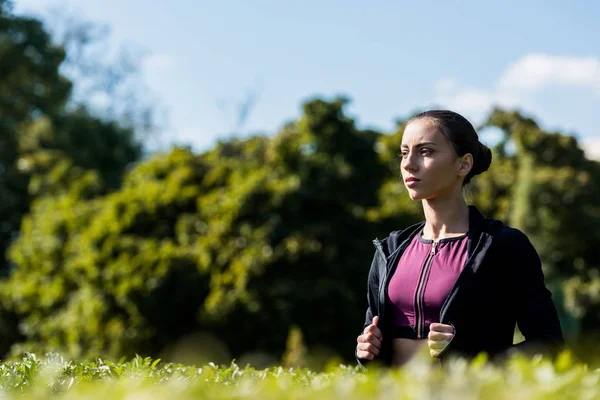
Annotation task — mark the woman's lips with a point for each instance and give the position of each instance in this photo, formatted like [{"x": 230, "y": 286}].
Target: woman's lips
[{"x": 410, "y": 182}]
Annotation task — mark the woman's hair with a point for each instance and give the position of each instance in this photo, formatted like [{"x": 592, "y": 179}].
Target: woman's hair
[{"x": 463, "y": 137}]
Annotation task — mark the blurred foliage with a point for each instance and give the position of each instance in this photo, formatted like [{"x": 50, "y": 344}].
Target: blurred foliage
[
  {"x": 259, "y": 235},
  {"x": 44, "y": 144},
  {"x": 114, "y": 261},
  {"x": 206, "y": 242},
  {"x": 295, "y": 353},
  {"x": 30, "y": 86},
  {"x": 147, "y": 378},
  {"x": 47, "y": 147}
]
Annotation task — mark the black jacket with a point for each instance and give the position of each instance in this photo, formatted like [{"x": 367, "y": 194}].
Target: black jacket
[{"x": 501, "y": 285}]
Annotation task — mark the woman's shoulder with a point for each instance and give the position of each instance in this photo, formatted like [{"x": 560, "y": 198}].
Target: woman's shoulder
[
  {"x": 394, "y": 238},
  {"x": 512, "y": 247},
  {"x": 510, "y": 237}
]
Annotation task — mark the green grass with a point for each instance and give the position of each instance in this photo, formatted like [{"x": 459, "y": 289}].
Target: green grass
[{"x": 147, "y": 379}]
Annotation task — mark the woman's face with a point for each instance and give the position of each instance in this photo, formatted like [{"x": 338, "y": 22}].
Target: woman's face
[{"x": 430, "y": 166}]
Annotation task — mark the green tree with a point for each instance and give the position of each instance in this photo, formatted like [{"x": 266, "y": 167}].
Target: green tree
[
  {"x": 114, "y": 262},
  {"x": 322, "y": 176},
  {"x": 30, "y": 85},
  {"x": 249, "y": 238},
  {"x": 41, "y": 139},
  {"x": 54, "y": 152},
  {"x": 48, "y": 147}
]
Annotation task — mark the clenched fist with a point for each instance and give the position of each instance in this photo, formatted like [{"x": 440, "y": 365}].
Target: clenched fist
[
  {"x": 440, "y": 335},
  {"x": 369, "y": 343}
]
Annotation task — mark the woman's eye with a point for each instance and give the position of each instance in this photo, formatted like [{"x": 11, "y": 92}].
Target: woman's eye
[
  {"x": 426, "y": 151},
  {"x": 402, "y": 154}
]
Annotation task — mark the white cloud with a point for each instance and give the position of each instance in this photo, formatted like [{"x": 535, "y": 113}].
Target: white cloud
[
  {"x": 517, "y": 86},
  {"x": 466, "y": 100},
  {"x": 520, "y": 86},
  {"x": 477, "y": 103},
  {"x": 591, "y": 146},
  {"x": 536, "y": 71}
]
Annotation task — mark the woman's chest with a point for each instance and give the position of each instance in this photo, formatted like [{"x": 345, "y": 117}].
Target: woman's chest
[{"x": 427, "y": 273}]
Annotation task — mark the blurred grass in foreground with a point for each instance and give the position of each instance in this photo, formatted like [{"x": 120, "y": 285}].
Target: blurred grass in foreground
[{"x": 144, "y": 378}]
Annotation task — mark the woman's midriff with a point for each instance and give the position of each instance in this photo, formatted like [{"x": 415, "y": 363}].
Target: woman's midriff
[{"x": 405, "y": 349}]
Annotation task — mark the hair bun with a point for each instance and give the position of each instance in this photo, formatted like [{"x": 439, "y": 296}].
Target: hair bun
[{"x": 484, "y": 159}]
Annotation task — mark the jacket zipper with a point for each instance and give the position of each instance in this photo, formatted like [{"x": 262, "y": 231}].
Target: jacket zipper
[
  {"x": 420, "y": 295},
  {"x": 390, "y": 264}
]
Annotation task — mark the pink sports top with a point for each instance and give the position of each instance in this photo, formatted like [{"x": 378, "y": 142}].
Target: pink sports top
[{"x": 425, "y": 275}]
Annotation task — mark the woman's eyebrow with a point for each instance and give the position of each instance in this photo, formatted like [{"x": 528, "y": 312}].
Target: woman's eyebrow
[{"x": 404, "y": 146}]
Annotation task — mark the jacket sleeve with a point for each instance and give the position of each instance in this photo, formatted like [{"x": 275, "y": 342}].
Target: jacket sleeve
[
  {"x": 372, "y": 300},
  {"x": 537, "y": 318}
]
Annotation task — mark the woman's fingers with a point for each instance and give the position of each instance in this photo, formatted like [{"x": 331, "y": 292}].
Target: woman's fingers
[
  {"x": 369, "y": 342},
  {"x": 437, "y": 345},
  {"x": 442, "y": 328},
  {"x": 369, "y": 338},
  {"x": 437, "y": 336},
  {"x": 368, "y": 348},
  {"x": 374, "y": 330}
]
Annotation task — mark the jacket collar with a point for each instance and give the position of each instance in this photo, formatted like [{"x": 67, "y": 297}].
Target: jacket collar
[{"x": 478, "y": 224}]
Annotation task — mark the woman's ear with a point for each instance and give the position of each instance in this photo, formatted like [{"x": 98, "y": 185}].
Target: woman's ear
[{"x": 465, "y": 164}]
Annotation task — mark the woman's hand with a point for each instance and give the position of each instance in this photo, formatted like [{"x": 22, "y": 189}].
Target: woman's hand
[
  {"x": 369, "y": 343},
  {"x": 440, "y": 336}
]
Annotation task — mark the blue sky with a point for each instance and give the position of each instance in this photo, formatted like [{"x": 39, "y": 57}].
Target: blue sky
[{"x": 389, "y": 57}]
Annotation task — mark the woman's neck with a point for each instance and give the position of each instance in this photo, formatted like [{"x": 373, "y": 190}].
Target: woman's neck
[{"x": 445, "y": 218}]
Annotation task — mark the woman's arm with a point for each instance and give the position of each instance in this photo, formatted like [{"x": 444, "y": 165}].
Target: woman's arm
[
  {"x": 372, "y": 299},
  {"x": 537, "y": 318}
]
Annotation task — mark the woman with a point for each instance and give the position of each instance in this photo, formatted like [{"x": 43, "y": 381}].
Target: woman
[{"x": 457, "y": 282}]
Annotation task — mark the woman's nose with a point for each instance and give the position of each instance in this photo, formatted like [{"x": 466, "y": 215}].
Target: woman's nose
[{"x": 408, "y": 162}]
